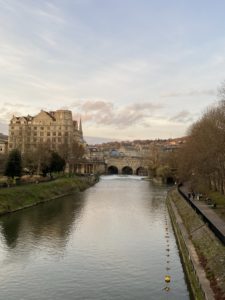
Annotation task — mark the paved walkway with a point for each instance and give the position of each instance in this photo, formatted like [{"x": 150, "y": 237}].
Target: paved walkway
[{"x": 207, "y": 212}]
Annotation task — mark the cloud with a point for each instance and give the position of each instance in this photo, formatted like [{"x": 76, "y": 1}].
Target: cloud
[
  {"x": 105, "y": 113},
  {"x": 145, "y": 106},
  {"x": 51, "y": 15},
  {"x": 97, "y": 106},
  {"x": 191, "y": 93},
  {"x": 44, "y": 10},
  {"x": 98, "y": 112},
  {"x": 7, "y": 110},
  {"x": 183, "y": 116}
]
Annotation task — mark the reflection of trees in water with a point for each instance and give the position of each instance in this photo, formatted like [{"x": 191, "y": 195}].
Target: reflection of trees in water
[
  {"x": 51, "y": 221},
  {"x": 10, "y": 227}
]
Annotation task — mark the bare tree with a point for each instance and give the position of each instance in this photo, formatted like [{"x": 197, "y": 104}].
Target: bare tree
[{"x": 202, "y": 159}]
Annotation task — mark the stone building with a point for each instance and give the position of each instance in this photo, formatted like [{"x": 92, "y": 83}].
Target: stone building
[
  {"x": 54, "y": 128},
  {"x": 3, "y": 146}
]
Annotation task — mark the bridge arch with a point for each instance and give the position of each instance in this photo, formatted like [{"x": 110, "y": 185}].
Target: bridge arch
[
  {"x": 141, "y": 171},
  {"x": 127, "y": 170},
  {"x": 170, "y": 180},
  {"x": 112, "y": 170}
]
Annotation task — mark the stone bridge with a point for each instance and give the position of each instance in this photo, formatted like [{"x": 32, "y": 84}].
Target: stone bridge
[
  {"x": 126, "y": 165},
  {"x": 113, "y": 165}
]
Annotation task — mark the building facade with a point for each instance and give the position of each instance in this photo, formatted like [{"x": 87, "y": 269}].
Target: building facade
[
  {"x": 54, "y": 128},
  {"x": 3, "y": 146}
]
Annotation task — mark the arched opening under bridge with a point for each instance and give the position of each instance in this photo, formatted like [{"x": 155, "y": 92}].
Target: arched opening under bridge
[
  {"x": 113, "y": 170},
  {"x": 142, "y": 171},
  {"x": 127, "y": 171},
  {"x": 170, "y": 180}
]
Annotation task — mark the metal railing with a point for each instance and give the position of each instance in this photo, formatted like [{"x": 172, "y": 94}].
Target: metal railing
[{"x": 210, "y": 224}]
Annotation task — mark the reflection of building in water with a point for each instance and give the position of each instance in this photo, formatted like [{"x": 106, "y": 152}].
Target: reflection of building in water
[
  {"x": 54, "y": 128},
  {"x": 48, "y": 223}
]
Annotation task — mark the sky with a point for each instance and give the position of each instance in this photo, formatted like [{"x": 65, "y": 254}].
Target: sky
[{"x": 132, "y": 69}]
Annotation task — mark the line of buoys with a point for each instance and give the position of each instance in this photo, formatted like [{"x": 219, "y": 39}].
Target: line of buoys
[{"x": 167, "y": 277}]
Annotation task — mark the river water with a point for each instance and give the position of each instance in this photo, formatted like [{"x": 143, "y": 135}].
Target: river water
[{"x": 113, "y": 241}]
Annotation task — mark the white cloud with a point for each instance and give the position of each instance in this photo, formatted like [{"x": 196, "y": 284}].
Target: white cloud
[{"x": 191, "y": 93}]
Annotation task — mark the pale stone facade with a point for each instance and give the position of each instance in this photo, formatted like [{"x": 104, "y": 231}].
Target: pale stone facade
[
  {"x": 3, "y": 146},
  {"x": 54, "y": 128}
]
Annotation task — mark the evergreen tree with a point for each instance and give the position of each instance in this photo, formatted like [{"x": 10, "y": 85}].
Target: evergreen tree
[
  {"x": 57, "y": 163},
  {"x": 14, "y": 164}
]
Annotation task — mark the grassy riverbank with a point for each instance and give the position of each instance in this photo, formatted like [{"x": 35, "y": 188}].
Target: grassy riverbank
[
  {"x": 19, "y": 197},
  {"x": 209, "y": 249}
]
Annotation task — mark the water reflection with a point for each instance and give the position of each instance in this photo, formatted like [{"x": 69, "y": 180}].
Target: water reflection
[
  {"x": 106, "y": 243},
  {"x": 10, "y": 227},
  {"x": 51, "y": 221}
]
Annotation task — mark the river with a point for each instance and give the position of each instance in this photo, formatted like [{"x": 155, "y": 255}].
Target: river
[{"x": 113, "y": 241}]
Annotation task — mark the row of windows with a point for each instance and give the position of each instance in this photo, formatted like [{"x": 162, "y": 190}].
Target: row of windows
[
  {"x": 41, "y": 140},
  {"x": 36, "y": 146},
  {"x": 42, "y": 133},
  {"x": 41, "y": 127},
  {"x": 53, "y": 140}
]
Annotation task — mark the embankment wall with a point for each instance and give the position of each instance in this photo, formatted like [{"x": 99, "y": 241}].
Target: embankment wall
[{"x": 203, "y": 254}]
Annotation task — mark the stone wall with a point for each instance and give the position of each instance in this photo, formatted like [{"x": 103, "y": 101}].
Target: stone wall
[{"x": 202, "y": 252}]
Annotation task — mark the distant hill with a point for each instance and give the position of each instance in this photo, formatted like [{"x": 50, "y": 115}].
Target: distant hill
[
  {"x": 3, "y": 136},
  {"x": 92, "y": 140},
  {"x": 117, "y": 143}
]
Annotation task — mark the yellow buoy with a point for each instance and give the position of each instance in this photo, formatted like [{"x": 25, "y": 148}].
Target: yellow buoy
[{"x": 167, "y": 278}]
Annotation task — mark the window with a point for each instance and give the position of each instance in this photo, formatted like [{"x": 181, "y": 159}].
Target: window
[
  {"x": 42, "y": 128},
  {"x": 48, "y": 134},
  {"x": 59, "y": 134},
  {"x": 41, "y": 133}
]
